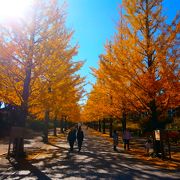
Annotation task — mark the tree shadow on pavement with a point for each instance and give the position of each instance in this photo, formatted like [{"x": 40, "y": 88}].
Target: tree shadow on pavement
[
  {"x": 97, "y": 160},
  {"x": 59, "y": 147},
  {"x": 94, "y": 163},
  {"x": 27, "y": 169}
]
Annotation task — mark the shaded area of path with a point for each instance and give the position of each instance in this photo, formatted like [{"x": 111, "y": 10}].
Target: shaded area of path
[{"x": 96, "y": 161}]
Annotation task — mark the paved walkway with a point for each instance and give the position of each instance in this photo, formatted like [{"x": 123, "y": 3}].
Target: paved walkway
[{"x": 96, "y": 161}]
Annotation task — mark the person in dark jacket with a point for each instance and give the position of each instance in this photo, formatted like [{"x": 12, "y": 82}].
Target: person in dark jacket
[
  {"x": 115, "y": 139},
  {"x": 71, "y": 138},
  {"x": 80, "y": 137}
]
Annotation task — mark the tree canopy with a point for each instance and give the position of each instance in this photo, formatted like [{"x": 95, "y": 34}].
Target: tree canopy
[
  {"x": 36, "y": 67},
  {"x": 139, "y": 72}
]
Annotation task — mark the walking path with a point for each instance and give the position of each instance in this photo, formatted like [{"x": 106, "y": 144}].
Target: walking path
[{"x": 97, "y": 160}]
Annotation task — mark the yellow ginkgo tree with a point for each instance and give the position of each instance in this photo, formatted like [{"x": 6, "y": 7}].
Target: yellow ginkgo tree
[
  {"x": 35, "y": 59},
  {"x": 140, "y": 67}
]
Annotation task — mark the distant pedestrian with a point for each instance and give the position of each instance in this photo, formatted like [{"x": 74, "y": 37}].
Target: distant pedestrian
[
  {"x": 78, "y": 125},
  {"x": 147, "y": 145},
  {"x": 71, "y": 138},
  {"x": 126, "y": 139},
  {"x": 115, "y": 139},
  {"x": 80, "y": 138}
]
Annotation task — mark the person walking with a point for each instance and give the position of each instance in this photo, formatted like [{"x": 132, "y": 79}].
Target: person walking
[
  {"x": 80, "y": 138},
  {"x": 115, "y": 139},
  {"x": 148, "y": 146},
  {"x": 126, "y": 139},
  {"x": 71, "y": 138}
]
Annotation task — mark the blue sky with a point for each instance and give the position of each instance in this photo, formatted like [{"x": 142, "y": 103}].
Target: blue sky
[{"x": 94, "y": 22}]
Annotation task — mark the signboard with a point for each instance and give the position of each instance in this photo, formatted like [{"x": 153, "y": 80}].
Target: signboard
[
  {"x": 161, "y": 144},
  {"x": 157, "y": 135}
]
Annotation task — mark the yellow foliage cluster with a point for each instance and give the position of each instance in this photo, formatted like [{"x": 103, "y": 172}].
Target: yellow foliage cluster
[
  {"x": 36, "y": 67},
  {"x": 140, "y": 70}
]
